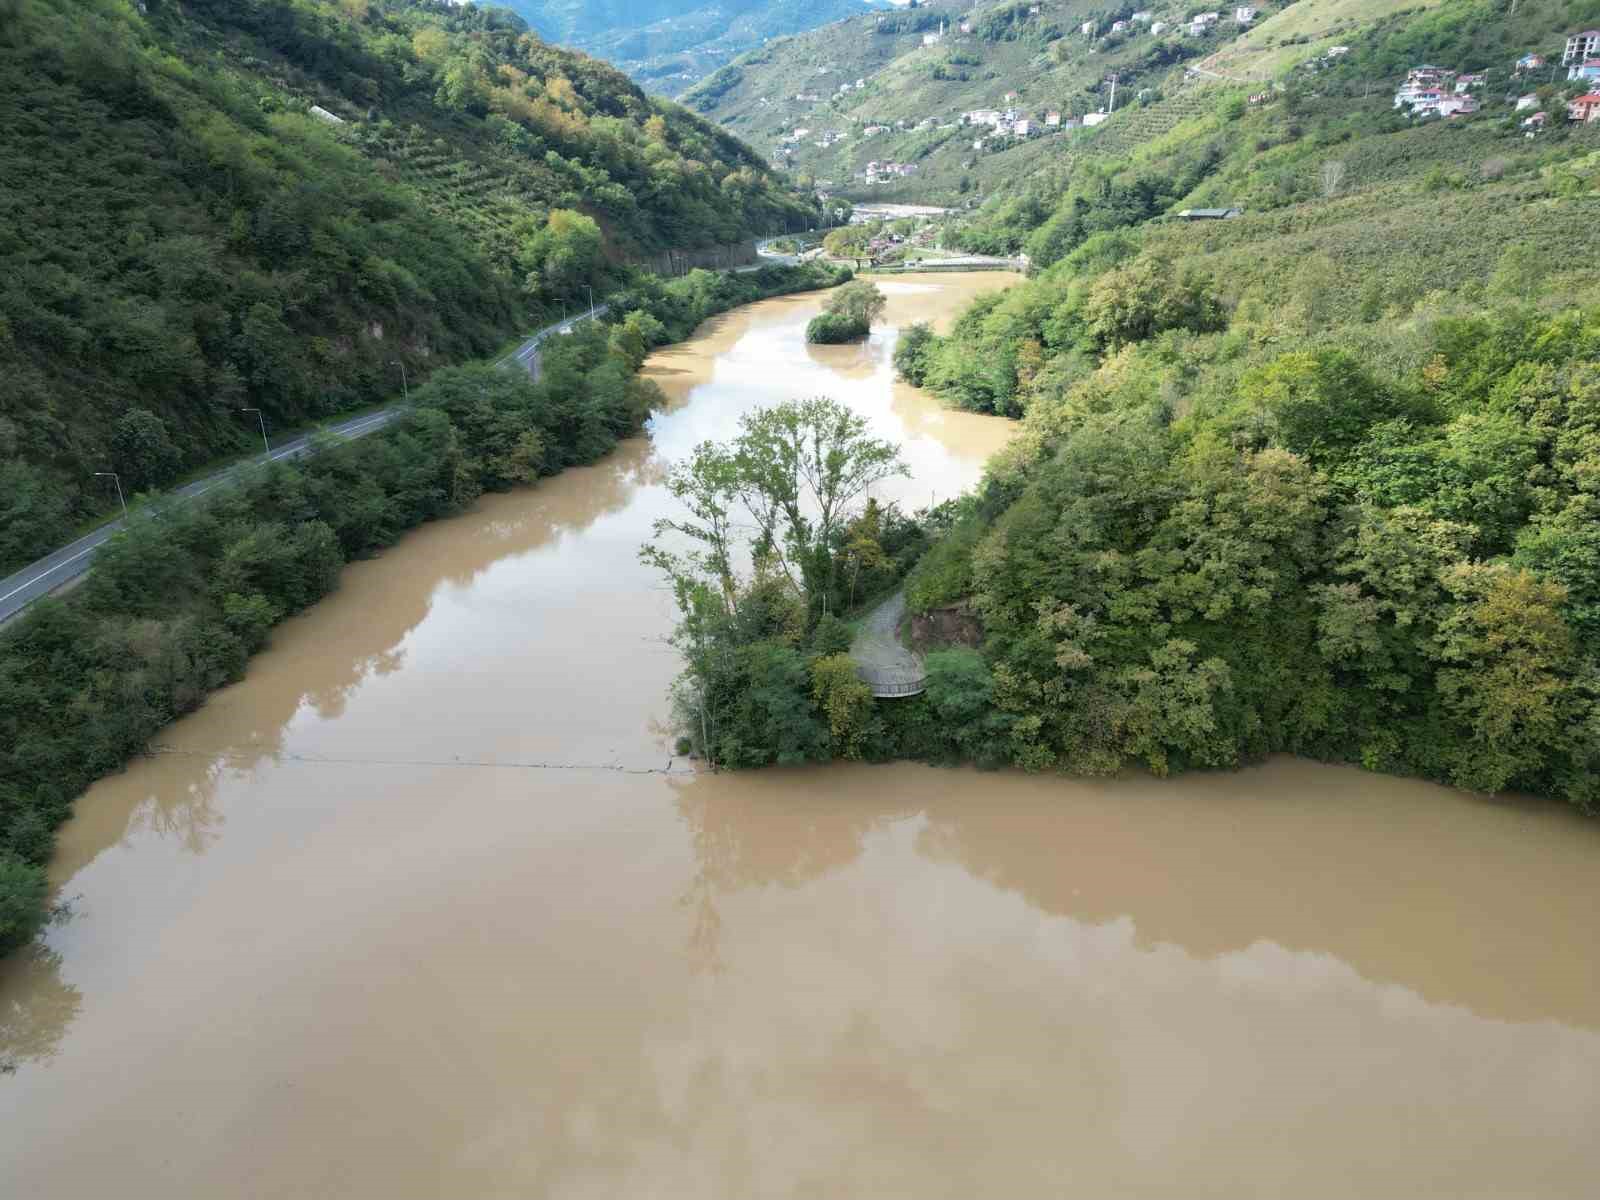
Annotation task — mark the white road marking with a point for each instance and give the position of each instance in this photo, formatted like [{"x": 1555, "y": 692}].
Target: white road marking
[{"x": 301, "y": 445}]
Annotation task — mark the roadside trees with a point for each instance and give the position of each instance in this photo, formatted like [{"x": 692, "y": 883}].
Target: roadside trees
[
  {"x": 143, "y": 450},
  {"x": 35, "y": 512},
  {"x": 560, "y": 259}
]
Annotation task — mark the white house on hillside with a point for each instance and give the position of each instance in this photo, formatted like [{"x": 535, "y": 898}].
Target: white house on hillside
[{"x": 1581, "y": 46}]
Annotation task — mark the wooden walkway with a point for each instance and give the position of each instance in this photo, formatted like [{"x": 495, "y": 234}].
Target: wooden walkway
[{"x": 882, "y": 662}]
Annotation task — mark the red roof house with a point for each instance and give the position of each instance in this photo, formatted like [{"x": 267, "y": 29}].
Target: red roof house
[{"x": 1585, "y": 108}]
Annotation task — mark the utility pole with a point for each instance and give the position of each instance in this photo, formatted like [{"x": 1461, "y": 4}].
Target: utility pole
[
  {"x": 265, "y": 445},
  {"x": 404, "y": 386},
  {"x": 1112, "y": 107},
  {"x": 591, "y": 300},
  {"x": 116, "y": 479}
]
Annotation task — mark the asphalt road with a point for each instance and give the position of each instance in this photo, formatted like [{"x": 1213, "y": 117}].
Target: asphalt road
[
  {"x": 68, "y": 563},
  {"x": 882, "y": 660},
  {"x": 772, "y": 257},
  {"x": 527, "y": 354}
]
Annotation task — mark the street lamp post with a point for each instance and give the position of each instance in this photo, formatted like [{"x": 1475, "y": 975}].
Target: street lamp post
[
  {"x": 404, "y": 386},
  {"x": 116, "y": 479},
  {"x": 265, "y": 445}
]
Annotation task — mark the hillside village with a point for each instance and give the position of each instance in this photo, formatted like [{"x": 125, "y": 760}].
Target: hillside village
[
  {"x": 939, "y": 102},
  {"x": 946, "y": 43},
  {"x": 1440, "y": 92}
]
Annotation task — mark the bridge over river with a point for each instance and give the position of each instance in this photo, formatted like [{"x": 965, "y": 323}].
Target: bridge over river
[{"x": 883, "y": 662}]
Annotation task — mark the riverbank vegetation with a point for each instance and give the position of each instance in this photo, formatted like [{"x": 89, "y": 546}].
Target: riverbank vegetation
[
  {"x": 216, "y": 205},
  {"x": 1294, "y": 483},
  {"x": 1373, "y": 545},
  {"x": 776, "y": 538},
  {"x": 1318, "y": 479},
  {"x": 178, "y": 602}
]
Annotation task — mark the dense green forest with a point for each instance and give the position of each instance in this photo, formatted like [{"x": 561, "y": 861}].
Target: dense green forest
[
  {"x": 176, "y": 605},
  {"x": 215, "y": 205},
  {"x": 1321, "y": 479}
]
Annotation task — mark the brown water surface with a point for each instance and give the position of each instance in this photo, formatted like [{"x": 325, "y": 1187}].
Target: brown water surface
[{"x": 425, "y": 907}]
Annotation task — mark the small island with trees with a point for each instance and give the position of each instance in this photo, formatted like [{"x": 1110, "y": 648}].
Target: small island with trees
[{"x": 849, "y": 314}]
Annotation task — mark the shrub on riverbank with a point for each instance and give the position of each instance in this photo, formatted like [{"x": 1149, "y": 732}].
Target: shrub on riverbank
[{"x": 174, "y": 607}]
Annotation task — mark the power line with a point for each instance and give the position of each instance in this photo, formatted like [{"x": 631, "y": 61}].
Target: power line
[{"x": 244, "y": 759}]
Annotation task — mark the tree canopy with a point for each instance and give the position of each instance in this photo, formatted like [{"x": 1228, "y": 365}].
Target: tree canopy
[{"x": 775, "y": 535}]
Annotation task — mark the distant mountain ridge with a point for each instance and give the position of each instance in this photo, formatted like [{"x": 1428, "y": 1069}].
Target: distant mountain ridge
[{"x": 668, "y": 45}]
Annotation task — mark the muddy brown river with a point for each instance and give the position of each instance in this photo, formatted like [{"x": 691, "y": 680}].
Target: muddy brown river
[{"x": 425, "y": 908}]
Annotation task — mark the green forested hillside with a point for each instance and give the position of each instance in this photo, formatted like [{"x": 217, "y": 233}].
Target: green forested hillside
[
  {"x": 910, "y": 106},
  {"x": 1328, "y": 129},
  {"x": 669, "y": 44},
  {"x": 182, "y": 236},
  {"x": 1060, "y": 56},
  {"x": 575, "y": 21},
  {"x": 1318, "y": 479}
]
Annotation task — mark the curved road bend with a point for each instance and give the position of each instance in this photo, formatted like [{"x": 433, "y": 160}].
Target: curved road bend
[
  {"x": 68, "y": 563},
  {"x": 883, "y": 662}
]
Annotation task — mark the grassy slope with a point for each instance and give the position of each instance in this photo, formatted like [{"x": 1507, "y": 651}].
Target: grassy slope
[{"x": 1303, "y": 30}]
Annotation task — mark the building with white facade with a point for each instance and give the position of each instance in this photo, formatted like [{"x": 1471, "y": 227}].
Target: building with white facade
[{"x": 1581, "y": 46}]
